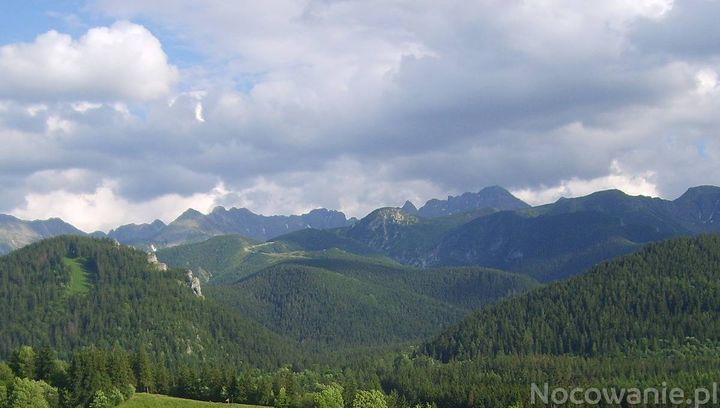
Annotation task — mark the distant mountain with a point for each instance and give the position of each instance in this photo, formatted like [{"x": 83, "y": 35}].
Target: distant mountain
[
  {"x": 404, "y": 237},
  {"x": 547, "y": 242},
  {"x": 193, "y": 226},
  {"x": 665, "y": 295},
  {"x": 134, "y": 234},
  {"x": 494, "y": 197},
  {"x": 565, "y": 238},
  {"x": 409, "y": 208},
  {"x": 16, "y": 233},
  {"x": 699, "y": 209}
]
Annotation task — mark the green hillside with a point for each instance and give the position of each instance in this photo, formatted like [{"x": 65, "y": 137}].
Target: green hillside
[
  {"x": 79, "y": 276},
  {"x": 318, "y": 240},
  {"x": 226, "y": 259},
  {"x": 320, "y": 307},
  {"x": 162, "y": 401},
  {"x": 657, "y": 298},
  {"x": 215, "y": 258},
  {"x": 467, "y": 288},
  {"x": 123, "y": 299},
  {"x": 328, "y": 298}
]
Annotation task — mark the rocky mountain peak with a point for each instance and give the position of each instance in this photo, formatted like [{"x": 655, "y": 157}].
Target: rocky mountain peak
[{"x": 409, "y": 207}]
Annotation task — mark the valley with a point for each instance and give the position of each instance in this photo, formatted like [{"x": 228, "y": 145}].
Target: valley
[{"x": 458, "y": 310}]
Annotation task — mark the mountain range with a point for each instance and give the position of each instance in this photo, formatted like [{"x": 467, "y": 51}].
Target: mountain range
[
  {"x": 490, "y": 228},
  {"x": 415, "y": 306},
  {"x": 547, "y": 242},
  {"x": 193, "y": 226}
]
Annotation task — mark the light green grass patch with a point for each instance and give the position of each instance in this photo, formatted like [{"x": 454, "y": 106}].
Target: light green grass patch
[
  {"x": 162, "y": 401},
  {"x": 79, "y": 276}
]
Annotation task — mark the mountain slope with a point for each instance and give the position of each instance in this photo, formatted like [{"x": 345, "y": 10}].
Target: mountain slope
[
  {"x": 699, "y": 209},
  {"x": 467, "y": 288},
  {"x": 318, "y": 240},
  {"x": 666, "y": 293},
  {"x": 212, "y": 258},
  {"x": 225, "y": 259},
  {"x": 16, "y": 233},
  {"x": 404, "y": 237},
  {"x": 494, "y": 197},
  {"x": 320, "y": 307},
  {"x": 124, "y": 299},
  {"x": 332, "y": 298},
  {"x": 564, "y": 238},
  {"x": 340, "y": 300}
]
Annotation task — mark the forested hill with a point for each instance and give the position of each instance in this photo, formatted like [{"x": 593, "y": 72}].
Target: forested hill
[
  {"x": 335, "y": 301},
  {"x": 68, "y": 292},
  {"x": 332, "y": 299},
  {"x": 667, "y": 293}
]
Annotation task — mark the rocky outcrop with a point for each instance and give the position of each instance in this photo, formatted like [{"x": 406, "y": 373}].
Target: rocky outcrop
[
  {"x": 153, "y": 260},
  {"x": 194, "y": 283}
]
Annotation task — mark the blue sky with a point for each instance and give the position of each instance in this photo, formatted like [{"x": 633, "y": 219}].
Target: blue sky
[
  {"x": 135, "y": 110},
  {"x": 22, "y": 21}
]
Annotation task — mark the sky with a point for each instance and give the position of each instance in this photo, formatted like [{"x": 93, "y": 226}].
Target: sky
[{"x": 120, "y": 111}]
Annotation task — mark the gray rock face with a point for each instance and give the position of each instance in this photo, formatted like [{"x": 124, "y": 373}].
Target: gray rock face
[
  {"x": 194, "y": 283},
  {"x": 153, "y": 260}
]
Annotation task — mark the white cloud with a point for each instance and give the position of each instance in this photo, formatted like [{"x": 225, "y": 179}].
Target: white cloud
[
  {"x": 575, "y": 187},
  {"x": 121, "y": 62},
  {"x": 104, "y": 208},
  {"x": 199, "y": 112},
  {"x": 707, "y": 81}
]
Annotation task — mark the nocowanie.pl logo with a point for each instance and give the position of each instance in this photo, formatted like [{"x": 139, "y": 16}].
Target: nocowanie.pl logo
[{"x": 662, "y": 395}]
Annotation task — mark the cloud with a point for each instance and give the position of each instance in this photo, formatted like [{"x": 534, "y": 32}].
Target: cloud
[
  {"x": 575, "y": 187},
  {"x": 104, "y": 209},
  {"x": 121, "y": 62},
  {"x": 289, "y": 105},
  {"x": 689, "y": 31}
]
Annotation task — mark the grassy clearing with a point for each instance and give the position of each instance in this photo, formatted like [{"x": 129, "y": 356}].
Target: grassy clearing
[
  {"x": 79, "y": 284},
  {"x": 162, "y": 401}
]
